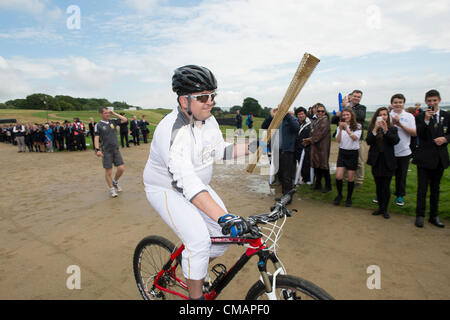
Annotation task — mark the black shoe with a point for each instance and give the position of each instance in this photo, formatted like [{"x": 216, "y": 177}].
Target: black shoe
[
  {"x": 326, "y": 190},
  {"x": 348, "y": 203},
  {"x": 317, "y": 187},
  {"x": 436, "y": 222},
  {"x": 386, "y": 215},
  {"x": 419, "y": 222},
  {"x": 376, "y": 213},
  {"x": 337, "y": 200}
]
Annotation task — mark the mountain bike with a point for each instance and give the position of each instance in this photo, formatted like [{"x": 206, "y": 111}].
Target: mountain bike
[{"x": 157, "y": 264}]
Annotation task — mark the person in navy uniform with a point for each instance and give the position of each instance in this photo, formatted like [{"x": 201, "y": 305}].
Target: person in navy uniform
[{"x": 134, "y": 128}]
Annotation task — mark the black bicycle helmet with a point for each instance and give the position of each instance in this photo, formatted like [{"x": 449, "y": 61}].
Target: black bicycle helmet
[{"x": 192, "y": 78}]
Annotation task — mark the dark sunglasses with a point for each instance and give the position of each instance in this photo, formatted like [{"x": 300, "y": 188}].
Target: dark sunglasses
[
  {"x": 321, "y": 111},
  {"x": 203, "y": 98}
]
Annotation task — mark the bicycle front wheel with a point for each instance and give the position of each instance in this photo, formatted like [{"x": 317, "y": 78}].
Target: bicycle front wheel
[
  {"x": 289, "y": 288},
  {"x": 150, "y": 256}
]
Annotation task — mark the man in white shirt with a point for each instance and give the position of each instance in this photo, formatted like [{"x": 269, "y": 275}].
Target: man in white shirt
[
  {"x": 19, "y": 134},
  {"x": 179, "y": 169},
  {"x": 406, "y": 125}
]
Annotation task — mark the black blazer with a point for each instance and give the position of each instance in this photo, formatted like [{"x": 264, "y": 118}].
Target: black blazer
[
  {"x": 390, "y": 139},
  {"x": 134, "y": 127},
  {"x": 428, "y": 154}
]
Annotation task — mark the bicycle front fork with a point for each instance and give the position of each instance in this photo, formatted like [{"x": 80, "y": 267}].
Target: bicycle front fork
[{"x": 262, "y": 266}]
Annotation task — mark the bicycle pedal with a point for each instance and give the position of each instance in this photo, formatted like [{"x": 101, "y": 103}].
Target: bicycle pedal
[{"x": 219, "y": 269}]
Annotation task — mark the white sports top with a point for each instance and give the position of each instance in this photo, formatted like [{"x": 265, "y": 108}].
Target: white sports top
[{"x": 182, "y": 154}]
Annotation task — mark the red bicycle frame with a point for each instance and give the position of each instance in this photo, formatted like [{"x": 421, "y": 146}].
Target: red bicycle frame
[{"x": 255, "y": 246}]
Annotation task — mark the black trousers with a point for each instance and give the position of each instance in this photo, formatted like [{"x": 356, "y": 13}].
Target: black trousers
[
  {"x": 325, "y": 174},
  {"x": 124, "y": 136},
  {"x": 144, "y": 135},
  {"x": 286, "y": 171},
  {"x": 400, "y": 175},
  {"x": 60, "y": 140},
  {"x": 70, "y": 143},
  {"x": 306, "y": 167},
  {"x": 431, "y": 177},
  {"x": 383, "y": 189},
  {"x": 80, "y": 141},
  {"x": 135, "y": 137}
]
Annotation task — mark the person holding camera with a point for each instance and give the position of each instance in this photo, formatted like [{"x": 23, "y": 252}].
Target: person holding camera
[
  {"x": 347, "y": 135},
  {"x": 431, "y": 156},
  {"x": 382, "y": 136},
  {"x": 124, "y": 132}
]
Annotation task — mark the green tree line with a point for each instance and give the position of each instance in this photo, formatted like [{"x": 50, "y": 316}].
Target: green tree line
[
  {"x": 41, "y": 101},
  {"x": 249, "y": 105}
]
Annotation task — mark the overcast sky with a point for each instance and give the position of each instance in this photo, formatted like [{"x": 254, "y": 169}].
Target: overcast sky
[{"x": 127, "y": 50}]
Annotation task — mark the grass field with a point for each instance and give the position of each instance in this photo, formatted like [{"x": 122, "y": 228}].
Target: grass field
[{"x": 362, "y": 196}]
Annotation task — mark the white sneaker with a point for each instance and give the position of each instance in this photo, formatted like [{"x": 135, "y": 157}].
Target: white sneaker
[
  {"x": 116, "y": 186},
  {"x": 113, "y": 192}
]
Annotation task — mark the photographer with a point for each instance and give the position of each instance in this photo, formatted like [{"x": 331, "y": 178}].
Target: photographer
[
  {"x": 124, "y": 132},
  {"x": 382, "y": 136},
  {"x": 348, "y": 133},
  {"x": 431, "y": 156}
]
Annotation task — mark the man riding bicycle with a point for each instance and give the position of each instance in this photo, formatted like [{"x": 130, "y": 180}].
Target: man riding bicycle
[{"x": 179, "y": 169}]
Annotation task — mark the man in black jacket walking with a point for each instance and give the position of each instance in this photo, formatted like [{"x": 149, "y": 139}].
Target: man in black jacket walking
[{"x": 431, "y": 156}]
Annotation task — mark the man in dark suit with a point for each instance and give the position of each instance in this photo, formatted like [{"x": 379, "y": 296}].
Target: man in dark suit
[
  {"x": 124, "y": 132},
  {"x": 143, "y": 126},
  {"x": 134, "y": 128},
  {"x": 431, "y": 156}
]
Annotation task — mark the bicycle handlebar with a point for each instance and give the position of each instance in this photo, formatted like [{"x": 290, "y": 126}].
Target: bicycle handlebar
[{"x": 277, "y": 211}]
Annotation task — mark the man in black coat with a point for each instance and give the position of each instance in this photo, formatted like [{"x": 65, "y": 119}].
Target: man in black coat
[
  {"x": 431, "y": 156},
  {"x": 143, "y": 126},
  {"x": 303, "y": 133},
  {"x": 134, "y": 128},
  {"x": 124, "y": 132},
  {"x": 289, "y": 128}
]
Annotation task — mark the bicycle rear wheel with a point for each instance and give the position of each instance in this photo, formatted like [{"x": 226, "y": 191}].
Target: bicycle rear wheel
[
  {"x": 150, "y": 256},
  {"x": 289, "y": 288}
]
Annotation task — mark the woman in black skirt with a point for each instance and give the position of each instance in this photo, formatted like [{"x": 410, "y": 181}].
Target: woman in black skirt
[
  {"x": 381, "y": 137},
  {"x": 347, "y": 135}
]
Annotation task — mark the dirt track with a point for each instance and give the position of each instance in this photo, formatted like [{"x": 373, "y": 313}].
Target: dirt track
[{"x": 55, "y": 212}]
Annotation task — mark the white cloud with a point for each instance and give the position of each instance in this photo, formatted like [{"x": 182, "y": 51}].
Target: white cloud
[
  {"x": 33, "y": 34},
  {"x": 143, "y": 6},
  {"x": 253, "y": 47},
  {"x": 13, "y": 84},
  {"x": 28, "y": 6}
]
